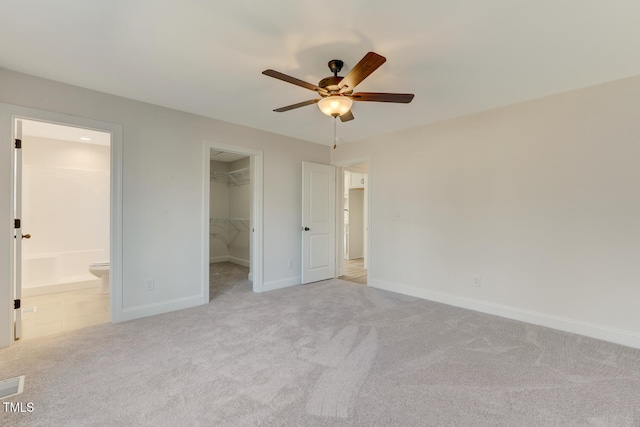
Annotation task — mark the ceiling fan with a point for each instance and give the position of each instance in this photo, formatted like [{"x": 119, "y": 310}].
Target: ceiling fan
[{"x": 337, "y": 92}]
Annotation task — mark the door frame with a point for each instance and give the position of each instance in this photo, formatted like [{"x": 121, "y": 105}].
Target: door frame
[
  {"x": 8, "y": 115},
  {"x": 256, "y": 269},
  {"x": 340, "y": 169}
]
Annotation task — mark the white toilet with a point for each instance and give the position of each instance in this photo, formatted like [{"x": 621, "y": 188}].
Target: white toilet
[{"x": 101, "y": 270}]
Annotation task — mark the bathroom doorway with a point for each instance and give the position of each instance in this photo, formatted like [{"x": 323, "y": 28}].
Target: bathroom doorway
[
  {"x": 233, "y": 214},
  {"x": 65, "y": 185}
]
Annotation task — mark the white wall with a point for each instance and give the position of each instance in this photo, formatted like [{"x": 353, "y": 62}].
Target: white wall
[
  {"x": 162, "y": 189},
  {"x": 65, "y": 208},
  {"x": 541, "y": 199}
]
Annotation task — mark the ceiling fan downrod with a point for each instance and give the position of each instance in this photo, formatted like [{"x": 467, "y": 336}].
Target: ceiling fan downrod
[{"x": 335, "y": 65}]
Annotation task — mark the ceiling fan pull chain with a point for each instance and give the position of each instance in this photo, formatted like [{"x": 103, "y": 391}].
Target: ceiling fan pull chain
[{"x": 335, "y": 138}]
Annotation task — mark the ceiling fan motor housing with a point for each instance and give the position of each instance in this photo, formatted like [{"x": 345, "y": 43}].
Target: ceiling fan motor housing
[{"x": 331, "y": 83}]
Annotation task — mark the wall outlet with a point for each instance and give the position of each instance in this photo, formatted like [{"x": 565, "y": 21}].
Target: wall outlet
[
  {"x": 149, "y": 284},
  {"x": 477, "y": 281},
  {"x": 290, "y": 263}
]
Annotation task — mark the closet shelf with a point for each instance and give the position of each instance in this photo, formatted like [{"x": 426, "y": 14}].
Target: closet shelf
[{"x": 232, "y": 178}]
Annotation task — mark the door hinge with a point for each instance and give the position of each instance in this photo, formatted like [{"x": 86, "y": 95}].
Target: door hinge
[
  {"x": 18, "y": 143},
  {"x": 16, "y": 304},
  {"x": 16, "y": 223}
]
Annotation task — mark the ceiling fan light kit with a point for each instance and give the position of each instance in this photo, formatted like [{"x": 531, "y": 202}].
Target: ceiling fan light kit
[
  {"x": 335, "y": 105},
  {"x": 337, "y": 92}
]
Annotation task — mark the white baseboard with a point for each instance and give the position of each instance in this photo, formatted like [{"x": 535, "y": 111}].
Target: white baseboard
[
  {"x": 618, "y": 336},
  {"x": 239, "y": 261},
  {"x": 228, "y": 258},
  {"x": 279, "y": 284},
  {"x": 138, "y": 312}
]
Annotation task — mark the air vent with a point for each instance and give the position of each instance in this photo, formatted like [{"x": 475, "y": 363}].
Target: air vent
[{"x": 11, "y": 387}]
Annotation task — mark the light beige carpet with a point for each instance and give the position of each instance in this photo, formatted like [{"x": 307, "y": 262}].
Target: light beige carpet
[{"x": 327, "y": 354}]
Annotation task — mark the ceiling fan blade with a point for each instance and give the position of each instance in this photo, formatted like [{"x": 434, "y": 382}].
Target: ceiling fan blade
[
  {"x": 362, "y": 69},
  {"x": 402, "y": 98},
  {"x": 347, "y": 116},
  {"x": 280, "y": 76},
  {"x": 298, "y": 105}
]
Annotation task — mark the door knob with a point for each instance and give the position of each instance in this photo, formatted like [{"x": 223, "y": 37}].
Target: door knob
[
  {"x": 26, "y": 236},
  {"x": 306, "y": 229}
]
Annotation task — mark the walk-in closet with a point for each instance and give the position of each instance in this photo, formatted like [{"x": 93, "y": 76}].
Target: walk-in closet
[{"x": 229, "y": 218}]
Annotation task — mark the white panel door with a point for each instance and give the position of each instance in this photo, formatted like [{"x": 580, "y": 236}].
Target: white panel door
[{"x": 318, "y": 222}]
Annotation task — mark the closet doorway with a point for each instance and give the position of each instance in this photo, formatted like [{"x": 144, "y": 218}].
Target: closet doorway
[
  {"x": 233, "y": 212},
  {"x": 355, "y": 223},
  {"x": 229, "y": 224}
]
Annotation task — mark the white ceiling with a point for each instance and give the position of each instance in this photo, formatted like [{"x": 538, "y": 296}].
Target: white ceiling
[
  {"x": 65, "y": 133},
  {"x": 226, "y": 157},
  {"x": 457, "y": 56}
]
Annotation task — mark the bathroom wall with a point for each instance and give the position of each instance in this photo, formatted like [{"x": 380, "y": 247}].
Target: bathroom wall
[{"x": 65, "y": 209}]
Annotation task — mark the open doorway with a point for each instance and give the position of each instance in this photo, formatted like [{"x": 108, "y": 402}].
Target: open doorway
[
  {"x": 65, "y": 220},
  {"x": 229, "y": 222},
  {"x": 232, "y": 217},
  {"x": 355, "y": 223},
  {"x": 10, "y": 286}
]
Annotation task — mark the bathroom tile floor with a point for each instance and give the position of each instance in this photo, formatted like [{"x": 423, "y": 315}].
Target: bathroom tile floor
[{"x": 63, "y": 311}]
